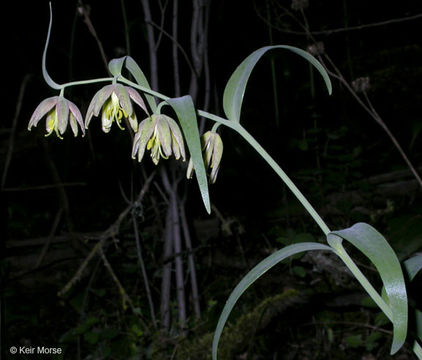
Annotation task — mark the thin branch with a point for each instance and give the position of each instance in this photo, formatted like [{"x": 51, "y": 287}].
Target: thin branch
[
  {"x": 176, "y": 71},
  {"x": 43, "y": 187},
  {"x": 191, "y": 261},
  {"x": 84, "y": 11},
  {"x": 368, "y": 106},
  {"x": 143, "y": 269},
  {"x": 126, "y": 26},
  {"x": 336, "y": 30},
  {"x": 122, "y": 291},
  {"x": 49, "y": 239},
  {"x": 13, "y": 130},
  {"x": 179, "y": 46},
  {"x": 180, "y": 287},
  {"x": 151, "y": 44},
  {"x": 110, "y": 232}
]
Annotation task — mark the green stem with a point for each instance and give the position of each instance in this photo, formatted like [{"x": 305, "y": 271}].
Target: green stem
[
  {"x": 86, "y": 82},
  {"x": 257, "y": 146},
  {"x": 245, "y": 134},
  {"x": 343, "y": 255},
  {"x": 289, "y": 183}
]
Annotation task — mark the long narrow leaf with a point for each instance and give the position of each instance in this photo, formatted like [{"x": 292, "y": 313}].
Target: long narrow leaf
[
  {"x": 235, "y": 88},
  {"x": 413, "y": 265},
  {"x": 140, "y": 78},
  {"x": 185, "y": 111},
  {"x": 373, "y": 245},
  {"x": 253, "y": 275}
]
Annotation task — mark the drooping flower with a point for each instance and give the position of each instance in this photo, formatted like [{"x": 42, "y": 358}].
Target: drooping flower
[
  {"x": 59, "y": 113},
  {"x": 160, "y": 134},
  {"x": 115, "y": 103},
  {"x": 212, "y": 152}
]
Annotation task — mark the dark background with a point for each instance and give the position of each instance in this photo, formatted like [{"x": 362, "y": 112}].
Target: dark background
[{"x": 333, "y": 150}]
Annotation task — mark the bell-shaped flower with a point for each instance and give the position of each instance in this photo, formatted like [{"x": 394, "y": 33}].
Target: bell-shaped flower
[
  {"x": 160, "y": 134},
  {"x": 59, "y": 113},
  {"x": 115, "y": 103},
  {"x": 212, "y": 152}
]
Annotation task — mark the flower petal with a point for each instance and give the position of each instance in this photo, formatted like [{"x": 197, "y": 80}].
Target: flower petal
[
  {"x": 76, "y": 113},
  {"x": 145, "y": 131},
  {"x": 164, "y": 135},
  {"x": 97, "y": 102},
  {"x": 177, "y": 139},
  {"x": 136, "y": 97},
  {"x": 62, "y": 114},
  {"x": 124, "y": 98},
  {"x": 73, "y": 124},
  {"x": 190, "y": 170},
  {"x": 217, "y": 153},
  {"x": 42, "y": 109},
  {"x": 133, "y": 121}
]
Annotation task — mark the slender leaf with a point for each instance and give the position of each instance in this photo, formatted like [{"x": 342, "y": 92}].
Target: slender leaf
[
  {"x": 252, "y": 276},
  {"x": 413, "y": 265},
  {"x": 235, "y": 88},
  {"x": 140, "y": 78},
  {"x": 185, "y": 111},
  {"x": 371, "y": 243}
]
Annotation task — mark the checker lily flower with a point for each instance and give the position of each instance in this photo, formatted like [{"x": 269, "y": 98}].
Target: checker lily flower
[
  {"x": 160, "y": 134},
  {"x": 212, "y": 152},
  {"x": 115, "y": 103},
  {"x": 59, "y": 113}
]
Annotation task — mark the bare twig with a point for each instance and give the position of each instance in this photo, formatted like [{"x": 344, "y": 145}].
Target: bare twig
[
  {"x": 43, "y": 187},
  {"x": 143, "y": 269},
  {"x": 368, "y": 107},
  {"x": 336, "y": 30},
  {"x": 176, "y": 73},
  {"x": 151, "y": 45},
  {"x": 180, "y": 279},
  {"x": 84, "y": 11},
  {"x": 110, "y": 232},
  {"x": 50, "y": 237},
  {"x": 122, "y": 291},
  {"x": 13, "y": 130},
  {"x": 191, "y": 261},
  {"x": 166, "y": 277}
]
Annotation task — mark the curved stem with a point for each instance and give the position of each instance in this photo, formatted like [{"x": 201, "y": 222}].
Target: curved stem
[
  {"x": 45, "y": 74},
  {"x": 289, "y": 183},
  {"x": 246, "y": 135},
  {"x": 257, "y": 146}
]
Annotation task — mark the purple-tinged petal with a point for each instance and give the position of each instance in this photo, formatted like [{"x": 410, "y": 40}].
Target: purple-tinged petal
[
  {"x": 97, "y": 102},
  {"x": 73, "y": 124},
  {"x": 145, "y": 131},
  {"x": 136, "y": 97},
  {"x": 62, "y": 114},
  {"x": 124, "y": 98},
  {"x": 102, "y": 96},
  {"x": 76, "y": 113},
  {"x": 42, "y": 109}
]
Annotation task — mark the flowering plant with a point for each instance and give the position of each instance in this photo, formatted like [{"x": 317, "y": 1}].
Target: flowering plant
[{"x": 162, "y": 135}]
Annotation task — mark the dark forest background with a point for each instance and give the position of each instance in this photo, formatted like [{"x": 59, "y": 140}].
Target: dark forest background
[{"x": 61, "y": 198}]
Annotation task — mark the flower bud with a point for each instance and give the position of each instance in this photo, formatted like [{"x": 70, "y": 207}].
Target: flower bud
[{"x": 212, "y": 152}]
